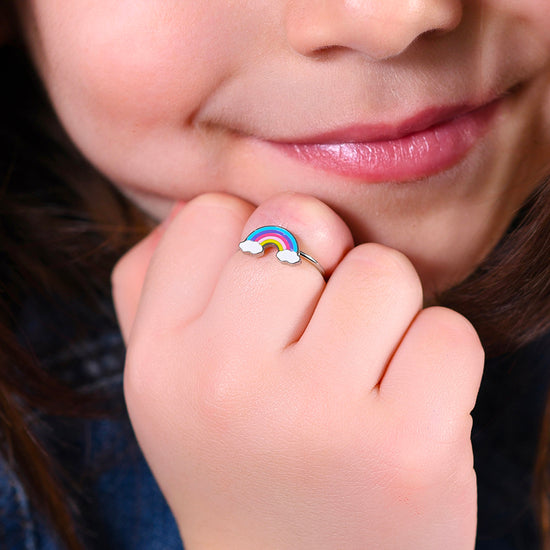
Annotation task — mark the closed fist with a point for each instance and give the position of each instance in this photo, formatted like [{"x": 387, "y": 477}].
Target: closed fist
[{"x": 281, "y": 411}]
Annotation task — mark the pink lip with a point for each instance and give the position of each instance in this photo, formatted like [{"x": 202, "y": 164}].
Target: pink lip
[{"x": 426, "y": 144}]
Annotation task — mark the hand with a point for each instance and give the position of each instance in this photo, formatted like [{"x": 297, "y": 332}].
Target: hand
[{"x": 280, "y": 412}]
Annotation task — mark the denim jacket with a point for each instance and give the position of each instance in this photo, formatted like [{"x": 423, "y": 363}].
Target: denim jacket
[
  {"x": 122, "y": 508},
  {"x": 120, "y": 505}
]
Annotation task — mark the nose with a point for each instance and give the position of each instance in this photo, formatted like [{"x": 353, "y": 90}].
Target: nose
[{"x": 380, "y": 29}]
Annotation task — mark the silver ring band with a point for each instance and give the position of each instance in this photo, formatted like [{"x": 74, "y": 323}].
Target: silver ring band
[{"x": 315, "y": 263}]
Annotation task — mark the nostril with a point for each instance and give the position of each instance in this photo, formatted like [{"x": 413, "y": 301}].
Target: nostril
[
  {"x": 325, "y": 53},
  {"x": 377, "y": 29}
]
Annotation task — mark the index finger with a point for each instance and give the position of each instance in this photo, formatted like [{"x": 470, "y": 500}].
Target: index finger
[{"x": 186, "y": 264}]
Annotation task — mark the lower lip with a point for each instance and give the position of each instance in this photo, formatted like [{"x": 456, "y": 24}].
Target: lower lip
[{"x": 411, "y": 157}]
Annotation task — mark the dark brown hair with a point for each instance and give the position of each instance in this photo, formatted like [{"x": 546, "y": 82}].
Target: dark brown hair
[
  {"x": 508, "y": 297},
  {"x": 508, "y": 301},
  {"x": 63, "y": 227}
]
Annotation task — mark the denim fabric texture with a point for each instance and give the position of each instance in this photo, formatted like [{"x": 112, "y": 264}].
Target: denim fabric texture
[
  {"x": 120, "y": 505},
  {"x": 122, "y": 508}
]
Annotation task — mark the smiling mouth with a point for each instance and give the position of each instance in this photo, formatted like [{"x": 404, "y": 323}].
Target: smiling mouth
[{"x": 427, "y": 144}]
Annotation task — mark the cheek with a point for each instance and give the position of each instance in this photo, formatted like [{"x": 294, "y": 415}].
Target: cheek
[
  {"x": 534, "y": 14},
  {"x": 128, "y": 66}
]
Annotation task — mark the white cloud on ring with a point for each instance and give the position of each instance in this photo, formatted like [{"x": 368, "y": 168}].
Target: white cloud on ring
[
  {"x": 288, "y": 256},
  {"x": 251, "y": 247}
]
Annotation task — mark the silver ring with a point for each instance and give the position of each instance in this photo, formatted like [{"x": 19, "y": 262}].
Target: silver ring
[{"x": 283, "y": 240}]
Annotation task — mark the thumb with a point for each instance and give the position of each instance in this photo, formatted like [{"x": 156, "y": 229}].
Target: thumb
[{"x": 129, "y": 273}]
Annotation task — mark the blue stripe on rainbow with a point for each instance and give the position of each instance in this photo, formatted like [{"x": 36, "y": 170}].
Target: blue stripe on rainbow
[{"x": 272, "y": 235}]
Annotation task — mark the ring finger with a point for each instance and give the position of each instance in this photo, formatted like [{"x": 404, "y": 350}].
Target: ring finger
[{"x": 269, "y": 300}]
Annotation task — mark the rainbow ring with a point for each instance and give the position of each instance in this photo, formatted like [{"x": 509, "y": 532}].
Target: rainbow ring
[{"x": 283, "y": 240}]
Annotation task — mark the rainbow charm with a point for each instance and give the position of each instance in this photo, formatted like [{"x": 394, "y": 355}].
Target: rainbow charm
[{"x": 272, "y": 235}]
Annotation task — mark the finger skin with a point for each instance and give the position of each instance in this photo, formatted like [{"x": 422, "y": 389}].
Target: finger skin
[
  {"x": 438, "y": 364},
  {"x": 127, "y": 280},
  {"x": 370, "y": 301},
  {"x": 320, "y": 231},
  {"x": 187, "y": 262},
  {"x": 200, "y": 295},
  {"x": 128, "y": 275},
  {"x": 329, "y": 442},
  {"x": 193, "y": 244},
  {"x": 429, "y": 389},
  {"x": 264, "y": 292}
]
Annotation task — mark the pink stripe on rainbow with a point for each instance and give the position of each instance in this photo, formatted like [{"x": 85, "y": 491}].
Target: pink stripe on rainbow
[{"x": 271, "y": 235}]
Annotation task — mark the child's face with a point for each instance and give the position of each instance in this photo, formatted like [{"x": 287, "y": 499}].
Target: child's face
[{"x": 174, "y": 98}]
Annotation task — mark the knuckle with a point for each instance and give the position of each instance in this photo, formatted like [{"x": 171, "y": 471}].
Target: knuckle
[
  {"x": 454, "y": 331},
  {"x": 295, "y": 208},
  {"x": 380, "y": 257},
  {"x": 319, "y": 230},
  {"x": 231, "y": 205},
  {"x": 216, "y": 199},
  {"x": 388, "y": 269},
  {"x": 451, "y": 357}
]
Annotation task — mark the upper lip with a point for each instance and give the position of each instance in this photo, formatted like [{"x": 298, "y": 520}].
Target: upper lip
[{"x": 378, "y": 132}]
